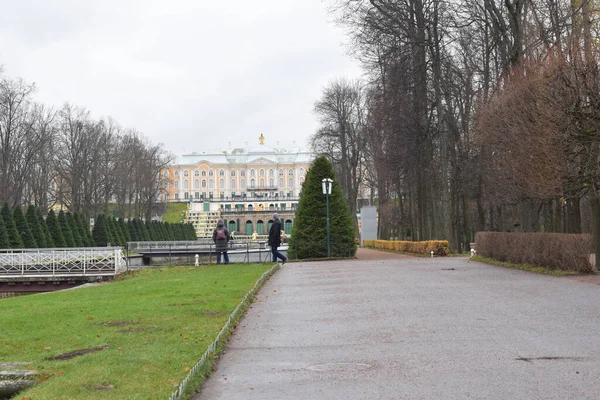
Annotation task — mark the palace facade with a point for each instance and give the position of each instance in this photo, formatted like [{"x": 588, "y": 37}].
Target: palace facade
[{"x": 242, "y": 185}]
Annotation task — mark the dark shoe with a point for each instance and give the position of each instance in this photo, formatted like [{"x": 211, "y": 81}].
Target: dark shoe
[{"x": 284, "y": 260}]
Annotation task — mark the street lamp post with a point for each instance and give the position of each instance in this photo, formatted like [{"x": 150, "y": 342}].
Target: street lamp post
[{"x": 327, "y": 183}]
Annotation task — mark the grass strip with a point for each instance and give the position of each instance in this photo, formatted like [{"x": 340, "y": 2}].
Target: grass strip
[
  {"x": 134, "y": 338},
  {"x": 201, "y": 371},
  {"x": 524, "y": 267}
]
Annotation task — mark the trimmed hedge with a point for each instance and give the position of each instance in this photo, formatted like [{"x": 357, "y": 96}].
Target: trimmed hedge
[
  {"x": 439, "y": 247},
  {"x": 567, "y": 252}
]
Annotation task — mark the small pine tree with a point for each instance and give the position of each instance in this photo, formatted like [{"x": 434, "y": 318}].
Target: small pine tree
[
  {"x": 124, "y": 230},
  {"x": 150, "y": 229},
  {"x": 143, "y": 231},
  {"x": 99, "y": 233},
  {"x": 55, "y": 232},
  {"x": 116, "y": 230},
  {"x": 74, "y": 230},
  {"x": 35, "y": 227},
  {"x": 80, "y": 228},
  {"x": 24, "y": 229},
  {"x": 309, "y": 234},
  {"x": 4, "y": 240},
  {"x": 65, "y": 229},
  {"x": 132, "y": 232},
  {"x": 11, "y": 228},
  {"x": 44, "y": 225}
]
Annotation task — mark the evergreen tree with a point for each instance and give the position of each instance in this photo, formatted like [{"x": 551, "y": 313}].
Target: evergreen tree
[
  {"x": 118, "y": 235},
  {"x": 192, "y": 229},
  {"x": 35, "y": 227},
  {"x": 24, "y": 229},
  {"x": 85, "y": 224},
  {"x": 74, "y": 230},
  {"x": 99, "y": 233},
  {"x": 124, "y": 230},
  {"x": 143, "y": 231},
  {"x": 11, "y": 228},
  {"x": 150, "y": 229},
  {"x": 133, "y": 235},
  {"x": 4, "y": 240},
  {"x": 65, "y": 229},
  {"x": 49, "y": 240},
  {"x": 55, "y": 232},
  {"x": 309, "y": 234},
  {"x": 81, "y": 229}
]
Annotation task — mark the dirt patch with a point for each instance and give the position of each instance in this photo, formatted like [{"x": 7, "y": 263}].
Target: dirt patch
[
  {"x": 104, "y": 387},
  {"x": 139, "y": 329},
  {"x": 210, "y": 312},
  {"x": 118, "y": 323},
  {"x": 177, "y": 305},
  {"x": 76, "y": 353}
]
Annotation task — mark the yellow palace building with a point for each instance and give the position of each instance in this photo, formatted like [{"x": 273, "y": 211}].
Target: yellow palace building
[{"x": 244, "y": 186}]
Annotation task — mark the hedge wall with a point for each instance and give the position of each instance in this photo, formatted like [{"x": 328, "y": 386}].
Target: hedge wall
[
  {"x": 439, "y": 247},
  {"x": 569, "y": 252}
]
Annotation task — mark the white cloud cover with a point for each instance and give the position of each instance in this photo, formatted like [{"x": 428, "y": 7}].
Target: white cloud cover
[{"x": 191, "y": 74}]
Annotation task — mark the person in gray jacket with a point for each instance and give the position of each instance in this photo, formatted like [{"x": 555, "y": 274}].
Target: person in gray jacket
[{"x": 221, "y": 237}]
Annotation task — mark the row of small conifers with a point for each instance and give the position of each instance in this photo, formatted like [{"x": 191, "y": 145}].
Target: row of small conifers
[
  {"x": 33, "y": 229},
  {"x": 567, "y": 252}
]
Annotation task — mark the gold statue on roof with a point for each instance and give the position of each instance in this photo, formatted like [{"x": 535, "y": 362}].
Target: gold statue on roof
[{"x": 261, "y": 139}]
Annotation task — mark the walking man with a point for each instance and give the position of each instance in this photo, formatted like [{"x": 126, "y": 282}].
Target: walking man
[
  {"x": 275, "y": 239},
  {"x": 221, "y": 237}
]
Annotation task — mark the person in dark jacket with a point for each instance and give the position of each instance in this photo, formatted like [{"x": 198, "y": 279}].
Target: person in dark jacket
[
  {"x": 221, "y": 237},
  {"x": 275, "y": 239}
]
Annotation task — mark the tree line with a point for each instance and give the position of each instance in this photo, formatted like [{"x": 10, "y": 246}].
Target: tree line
[
  {"x": 471, "y": 116},
  {"x": 32, "y": 229},
  {"x": 64, "y": 156}
]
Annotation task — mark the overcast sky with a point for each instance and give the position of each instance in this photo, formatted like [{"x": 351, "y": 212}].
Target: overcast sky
[{"x": 191, "y": 74}]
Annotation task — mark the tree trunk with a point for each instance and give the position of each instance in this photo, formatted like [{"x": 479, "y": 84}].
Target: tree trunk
[{"x": 595, "y": 201}]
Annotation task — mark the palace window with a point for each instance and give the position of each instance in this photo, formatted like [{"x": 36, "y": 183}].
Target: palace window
[
  {"x": 271, "y": 172},
  {"x": 252, "y": 172},
  {"x": 185, "y": 173},
  {"x": 281, "y": 182},
  {"x": 242, "y": 183},
  {"x": 176, "y": 173},
  {"x": 176, "y": 184},
  {"x": 262, "y": 172},
  {"x": 211, "y": 173},
  {"x": 166, "y": 174},
  {"x": 222, "y": 183},
  {"x": 243, "y": 172},
  {"x": 252, "y": 183},
  {"x": 196, "y": 173},
  {"x": 290, "y": 172},
  {"x": 233, "y": 172},
  {"x": 222, "y": 172},
  {"x": 211, "y": 184},
  {"x": 186, "y": 184},
  {"x": 196, "y": 184},
  {"x": 262, "y": 183},
  {"x": 203, "y": 173},
  {"x": 280, "y": 172},
  {"x": 291, "y": 182},
  {"x": 203, "y": 183},
  {"x": 271, "y": 183},
  {"x": 233, "y": 184},
  {"x": 301, "y": 180}
]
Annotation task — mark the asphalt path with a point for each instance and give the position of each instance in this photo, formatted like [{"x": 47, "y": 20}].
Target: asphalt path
[{"x": 394, "y": 327}]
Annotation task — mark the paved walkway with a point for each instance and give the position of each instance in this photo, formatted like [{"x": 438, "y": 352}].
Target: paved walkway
[{"x": 413, "y": 328}]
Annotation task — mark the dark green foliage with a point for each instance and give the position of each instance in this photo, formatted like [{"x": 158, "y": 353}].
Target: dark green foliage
[
  {"x": 11, "y": 228},
  {"x": 65, "y": 229},
  {"x": 170, "y": 234},
  {"x": 74, "y": 230},
  {"x": 44, "y": 225},
  {"x": 99, "y": 232},
  {"x": 81, "y": 226},
  {"x": 133, "y": 234},
  {"x": 24, "y": 229},
  {"x": 150, "y": 229},
  {"x": 55, "y": 232},
  {"x": 4, "y": 240},
  {"x": 35, "y": 227},
  {"x": 143, "y": 231},
  {"x": 309, "y": 234},
  {"x": 124, "y": 230}
]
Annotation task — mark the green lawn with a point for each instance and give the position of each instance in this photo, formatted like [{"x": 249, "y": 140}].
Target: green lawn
[
  {"x": 155, "y": 324},
  {"x": 175, "y": 212}
]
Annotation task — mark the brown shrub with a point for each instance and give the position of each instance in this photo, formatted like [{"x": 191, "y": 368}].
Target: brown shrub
[{"x": 551, "y": 250}]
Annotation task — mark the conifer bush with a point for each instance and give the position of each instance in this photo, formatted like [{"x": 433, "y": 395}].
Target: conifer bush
[
  {"x": 35, "y": 226},
  {"x": 99, "y": 232},
  {"x": 309, "y": 234},
  {"x": 55, "y": 232},
  {"x": 11, "y": 229},
  {"x": 44, "y": 225},
  {"x": 65, "y": 229},
  {"x": 4, "y": 240},
  {"x": 24, "y": 230}
]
